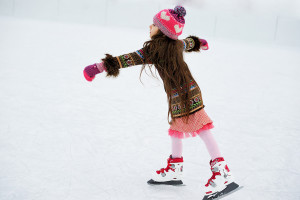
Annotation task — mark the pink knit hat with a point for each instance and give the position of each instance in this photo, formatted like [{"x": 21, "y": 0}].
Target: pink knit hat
[{"x": 170, "y": 22}]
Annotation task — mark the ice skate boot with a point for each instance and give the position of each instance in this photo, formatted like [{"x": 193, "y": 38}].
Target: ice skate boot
[
  {"x": 221, "y": 182},
  {"x": 171, "y": 175}
]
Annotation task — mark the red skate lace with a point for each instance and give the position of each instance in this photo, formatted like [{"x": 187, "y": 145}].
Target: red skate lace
[
  {"x": 212, "y": 178},
  {"x": 162, "y": 170}
]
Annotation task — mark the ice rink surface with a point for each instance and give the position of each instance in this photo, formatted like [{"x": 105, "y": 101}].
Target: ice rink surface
[{"x": 64, "y": 138}]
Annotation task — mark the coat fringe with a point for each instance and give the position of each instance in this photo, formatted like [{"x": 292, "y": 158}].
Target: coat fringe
[{"x": 112, "y": 66}]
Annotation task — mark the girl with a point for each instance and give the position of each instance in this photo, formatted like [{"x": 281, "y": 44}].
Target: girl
[{"x": 186, "y": 108}]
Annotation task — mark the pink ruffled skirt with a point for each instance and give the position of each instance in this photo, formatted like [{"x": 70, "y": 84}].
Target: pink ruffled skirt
[{"x": 197, "y": 122}]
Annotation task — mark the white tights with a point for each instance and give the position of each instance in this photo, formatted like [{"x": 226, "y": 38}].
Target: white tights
[{"x": 208, "y": 139}]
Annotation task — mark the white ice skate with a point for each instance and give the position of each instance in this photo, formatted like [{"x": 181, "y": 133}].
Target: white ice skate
[
  {"x": 171, "y": 175},
  {"x": 222, "y": 180}
]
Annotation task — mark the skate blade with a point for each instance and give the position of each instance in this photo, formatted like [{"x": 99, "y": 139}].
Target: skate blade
[
  {"x": 231, "y": 188},
  {"x": 174, "y": 183}
]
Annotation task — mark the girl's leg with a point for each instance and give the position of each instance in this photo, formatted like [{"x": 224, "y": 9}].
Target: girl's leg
[
  {"x": 176, "y": 147},
  {"x": 210, "y": 143}
]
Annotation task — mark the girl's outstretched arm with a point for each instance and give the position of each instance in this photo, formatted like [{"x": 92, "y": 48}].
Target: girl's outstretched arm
[
  {"x": 112, "y": 65},
  {"x": 193, "y": 43}
]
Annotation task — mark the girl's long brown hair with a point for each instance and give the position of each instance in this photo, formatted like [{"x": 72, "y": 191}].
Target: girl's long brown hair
[{"x": 167, "y": 56}]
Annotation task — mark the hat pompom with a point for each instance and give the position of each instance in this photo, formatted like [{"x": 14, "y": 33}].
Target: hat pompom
[{"x": 180, "y": 11}]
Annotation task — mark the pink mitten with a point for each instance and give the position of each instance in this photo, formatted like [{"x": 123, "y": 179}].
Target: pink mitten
[
  {"x": 203, "y": 44},
  {"x": 90, "y": 71}
]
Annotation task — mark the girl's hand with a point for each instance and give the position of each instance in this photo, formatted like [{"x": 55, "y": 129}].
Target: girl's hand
[
  {"x": 203, "y": 44},
  {"x": 90, "y": 71}
]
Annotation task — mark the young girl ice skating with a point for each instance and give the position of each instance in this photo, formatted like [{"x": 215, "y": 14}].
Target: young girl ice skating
[{"x": 188, "y": 117}]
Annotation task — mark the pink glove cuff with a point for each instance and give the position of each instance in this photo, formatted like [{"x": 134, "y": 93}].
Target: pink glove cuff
[{"x": 101, "y": 67}]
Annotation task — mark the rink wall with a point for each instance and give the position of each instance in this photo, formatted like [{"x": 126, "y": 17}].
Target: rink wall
[{"x": 234, "y": 24}]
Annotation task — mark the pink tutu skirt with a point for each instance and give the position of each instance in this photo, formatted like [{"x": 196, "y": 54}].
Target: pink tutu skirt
[{"x": 197, "y": 122}]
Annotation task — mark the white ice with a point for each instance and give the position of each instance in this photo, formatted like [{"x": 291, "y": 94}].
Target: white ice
[{"x": 64, "y": 138}]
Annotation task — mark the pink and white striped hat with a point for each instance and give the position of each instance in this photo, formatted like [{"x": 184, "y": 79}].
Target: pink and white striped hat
[{"x": 171, "y": 22}]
